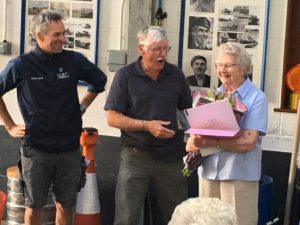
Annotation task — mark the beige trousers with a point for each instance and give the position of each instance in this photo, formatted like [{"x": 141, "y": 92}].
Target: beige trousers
[{"x": 242, "y": 195}]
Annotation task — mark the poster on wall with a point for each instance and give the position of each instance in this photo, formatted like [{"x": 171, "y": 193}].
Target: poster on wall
[
  {"x": 80, "y": 19},
  {"x": 209, "y": 23}
]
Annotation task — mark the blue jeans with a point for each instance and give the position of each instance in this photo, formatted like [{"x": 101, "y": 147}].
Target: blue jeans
[{"x": 137, "y": 170}]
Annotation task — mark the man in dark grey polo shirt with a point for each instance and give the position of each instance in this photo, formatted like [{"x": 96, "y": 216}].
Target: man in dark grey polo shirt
[{"x": 142, "y": 102}]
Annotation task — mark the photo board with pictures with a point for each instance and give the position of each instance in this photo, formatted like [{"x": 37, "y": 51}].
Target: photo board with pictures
[
  {"x": 208, "y": 23},
  {"x": 80, "y": 19}
]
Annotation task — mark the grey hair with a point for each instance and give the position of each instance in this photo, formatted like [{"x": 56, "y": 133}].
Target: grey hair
[
  {"x": 41, "y": 21},
  {"x": 238, "y": 50},
  {"x": 148, "y": 35},
  {"x": 203, "y": 211}
]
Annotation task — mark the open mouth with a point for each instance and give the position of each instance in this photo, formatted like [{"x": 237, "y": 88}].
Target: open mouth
[
  {"x": 224, "y": 75},
  {"x": 160, "y": 60}
]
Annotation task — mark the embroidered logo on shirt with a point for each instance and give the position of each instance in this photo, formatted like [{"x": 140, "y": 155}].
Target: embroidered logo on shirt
[
  {"x": 37, "y": 78},
  {"x": 61, "y": 74}
]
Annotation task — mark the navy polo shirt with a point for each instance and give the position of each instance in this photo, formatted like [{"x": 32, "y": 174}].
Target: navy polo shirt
[
  {"x": 138, "y": 96},
  {"x": 47, "y": 96}
]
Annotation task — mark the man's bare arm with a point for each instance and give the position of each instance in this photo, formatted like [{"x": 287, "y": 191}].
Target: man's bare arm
[
  {"x": 244, "y": 142},
  {"x": 155, "y": 127},
  {"x": 13, "y": 129},
  {"x": 86, "y": 100}
]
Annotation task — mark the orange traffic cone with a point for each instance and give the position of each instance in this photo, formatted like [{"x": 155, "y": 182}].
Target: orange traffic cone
[{"x": 88, "y": 206}]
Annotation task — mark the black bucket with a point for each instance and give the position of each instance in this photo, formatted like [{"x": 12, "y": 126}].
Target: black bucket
[{"x": 16, "y": 203}]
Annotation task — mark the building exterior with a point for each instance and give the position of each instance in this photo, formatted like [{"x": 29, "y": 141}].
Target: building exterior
[{"x": 277, "y": 144}]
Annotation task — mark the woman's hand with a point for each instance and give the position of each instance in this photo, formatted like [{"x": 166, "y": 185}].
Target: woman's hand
[
  {"x": 193, "y": 143},
  {"x": 196, "y": 141}
]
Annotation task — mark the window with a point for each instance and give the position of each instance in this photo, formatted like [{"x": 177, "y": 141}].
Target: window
[{"x": 291, "y": 51}]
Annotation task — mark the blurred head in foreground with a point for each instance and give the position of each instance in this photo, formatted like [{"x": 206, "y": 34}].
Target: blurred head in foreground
[{"x": 203, "y": 211}]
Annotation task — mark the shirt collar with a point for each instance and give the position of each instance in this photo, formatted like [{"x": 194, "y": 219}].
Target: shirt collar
[
  {"x": 43, "y": 55},
  {"x": 241, "y": 90},
  {"x": 138, "y": 71}
]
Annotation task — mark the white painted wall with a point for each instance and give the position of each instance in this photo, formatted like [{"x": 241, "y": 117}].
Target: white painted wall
[{"x": 281, "y": 125}]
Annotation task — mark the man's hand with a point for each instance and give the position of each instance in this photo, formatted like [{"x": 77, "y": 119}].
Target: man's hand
[
  {"x": 157, "y": 128},
  {"x": 17, "y": 130},
  {"x": 13, "y": 129}
]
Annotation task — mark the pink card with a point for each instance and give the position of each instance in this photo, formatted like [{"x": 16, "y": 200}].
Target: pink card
[{"x": 212, "y": 119}]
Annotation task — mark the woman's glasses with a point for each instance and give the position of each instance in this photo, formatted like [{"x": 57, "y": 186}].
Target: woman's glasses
[{"x": 227, "y": 66}]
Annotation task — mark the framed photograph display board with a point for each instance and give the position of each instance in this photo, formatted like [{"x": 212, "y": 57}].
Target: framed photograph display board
[
  {"x": 217, "y": 21},
  {"x": 80, "y": 19}
]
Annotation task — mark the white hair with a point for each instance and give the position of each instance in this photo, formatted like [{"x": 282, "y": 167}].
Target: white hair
[
  {"x": 238, "y": 50},
  {"x": 203, "y": 211},
  {"x": 148, "y": 35}
]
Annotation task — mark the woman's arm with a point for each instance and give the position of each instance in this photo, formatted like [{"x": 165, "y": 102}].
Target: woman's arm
[{"x": 244, "y": 142}]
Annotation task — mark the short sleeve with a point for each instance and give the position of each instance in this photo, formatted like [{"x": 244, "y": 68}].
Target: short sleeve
[
  {"x": 257, "y": 115},
  {"x": 185, "y": 100},
  {"x": 117, "y": 98}
]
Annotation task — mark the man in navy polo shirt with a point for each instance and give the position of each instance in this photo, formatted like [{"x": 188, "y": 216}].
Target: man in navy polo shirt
[
  {"x": 46, "y": 80},
  {"x": 142, "y": 103}
]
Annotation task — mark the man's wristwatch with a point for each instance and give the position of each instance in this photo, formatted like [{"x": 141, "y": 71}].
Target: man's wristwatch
[{"x": 82, "y": 109}]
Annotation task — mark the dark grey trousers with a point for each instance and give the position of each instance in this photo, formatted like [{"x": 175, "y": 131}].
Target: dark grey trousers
[{"x": 137, "y": 170}]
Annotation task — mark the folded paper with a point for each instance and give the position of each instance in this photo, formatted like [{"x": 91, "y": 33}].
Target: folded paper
[{"x": 213, "y": 119}]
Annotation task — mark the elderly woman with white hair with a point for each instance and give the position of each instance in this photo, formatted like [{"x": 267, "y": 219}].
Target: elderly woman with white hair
[
  {"x": 203, "y": 211},
  {"x": 233, "y": 173}
]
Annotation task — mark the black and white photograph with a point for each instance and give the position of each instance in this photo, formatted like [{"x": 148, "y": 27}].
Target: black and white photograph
[
  {"x": 87, "y": 25},
  {"x": 247, "y": 38},
  {"x": 238, "y": 24},
  {"x": 31, "y": 40},
  {"x": 199, "y": 72},
  {"x": 62, "y": 7},
  {"x": 34, "y": 7},
  {"x": 82, "y": 10},
  {"x": 207, "y": 6},
  {"x": 69, "y": 42},
  {"x": 254, "y": 20},
  {"x": 205, "y": 29},
  {"x": 83, "y": 33},
  {"x": 224, "y": 36},
  {"x": 235, "y": 20},
  {"x": 82, "y": 44},
  {"x": 69, "y": 30},
  {"x": 79, "y": 21},
  {"x": 200, "y": 33}
]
